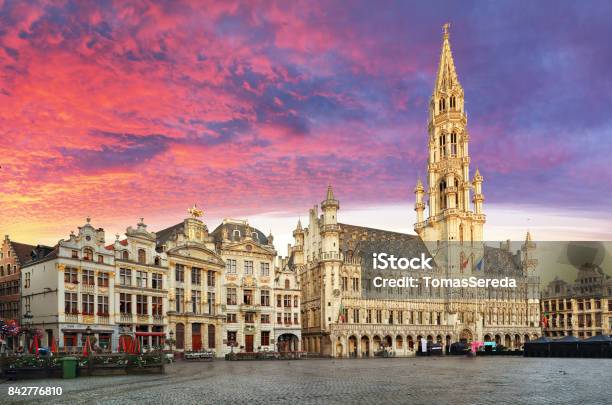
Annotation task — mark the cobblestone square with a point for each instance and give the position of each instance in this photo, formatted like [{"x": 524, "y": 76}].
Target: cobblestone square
[{"x": 447, "y": 380}]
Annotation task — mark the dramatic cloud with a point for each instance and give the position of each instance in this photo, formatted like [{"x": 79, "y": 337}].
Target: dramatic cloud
[{"x": 127, "y": 109}]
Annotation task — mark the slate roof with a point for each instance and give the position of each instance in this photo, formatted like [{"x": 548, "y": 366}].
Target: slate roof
[
  {"x": 231, "y": 226},
  {"x": 166, "y": 234},
  {"x": 23, "y": 252},
  {"x": 364, "y": 241}
]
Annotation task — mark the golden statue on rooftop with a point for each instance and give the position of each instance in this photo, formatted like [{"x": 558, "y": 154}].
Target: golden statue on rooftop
[{"x": 195, "y": 212}]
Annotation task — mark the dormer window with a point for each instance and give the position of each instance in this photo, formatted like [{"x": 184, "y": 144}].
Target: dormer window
[
  {"x": 100, "y": 259},
  {"x": 255, "y": 236},
  {"x": 142, "y": 256},
  {"x": 236, "y": 234},
  {"x": 75, "y": 254},
  {"x": 125, "y": 255},
  {"x": 157, "y": 261},
  {"x": 88, "y": 254}
]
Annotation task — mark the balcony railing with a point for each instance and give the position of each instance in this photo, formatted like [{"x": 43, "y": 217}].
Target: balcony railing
[
  {"x": 329, "y": 256},
  {"x": 125, "y": 318},
  {"x": 72, "y": 318},
  {"x": 88, "y": 287}
]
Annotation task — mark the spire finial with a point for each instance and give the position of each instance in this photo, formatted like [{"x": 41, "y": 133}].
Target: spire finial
[
  {"x": 330, "y": 192},
  {"x": 445, "y": 29}
]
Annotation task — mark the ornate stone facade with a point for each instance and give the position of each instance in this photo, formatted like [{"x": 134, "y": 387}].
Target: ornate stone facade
[
  {"x": 247, "y": 286},
  {"x": 343, "y": 316},
  {"x": 195, "y": 314},
  {"x": 70, "y": 287},
  {"x": 582, "y": 309},
  {"x": 141, "y": 286}
]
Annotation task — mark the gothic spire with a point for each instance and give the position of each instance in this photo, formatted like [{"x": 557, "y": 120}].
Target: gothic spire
[{"x": 447, "y": 75}]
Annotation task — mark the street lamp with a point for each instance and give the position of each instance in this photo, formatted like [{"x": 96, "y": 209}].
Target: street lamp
[
  {"x": 88, "y": 331},
  {"x": 28, "y": 326},
  {"x": 171, "y": 340}
]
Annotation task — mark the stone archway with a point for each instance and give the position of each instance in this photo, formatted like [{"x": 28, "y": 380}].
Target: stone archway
[
  {"x": 352, "y": 346},
  {"x": 487, "y": 338},
  {"x": 377, "y": 343},
  {"x": 466, "y": 336},
  {"x": 365, "y": 346},
  {"x": 410, "y": 342},
  {"x": 498, "y": 339},
  {"x": 517, "y": 341},
  {"x": 507, "y": 341},
  {"x": 388, "y": 341},
  {"x": 287, "y": 342},
  {"x": 339, "y": 351}
]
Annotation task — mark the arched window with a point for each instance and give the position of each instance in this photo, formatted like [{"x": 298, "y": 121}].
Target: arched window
[
  {"x": 453, "y": 103},
  {"x": 142, "y": 256},
  {"x": 125, "y": 255},
  {"x": 88, "y": 254},
  {"x": 8, "y": 269},
  {"x": 236, "y": 234},
  {"x": 442, "y": 104},
  {"x": 1, "y": 271},
  {"x": 211, "y": 336},
  {"x": 157, "y": 261},
  {"x": 180, "y": 336},
  {"x": 442, "y": 145},
  {"x": 453, "y": 144},
  {"x": 442, "y": 194},
  {"x": 287, "y": 284}
]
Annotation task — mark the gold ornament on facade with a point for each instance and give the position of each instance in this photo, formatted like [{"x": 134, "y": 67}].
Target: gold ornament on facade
[{"x": 195, "y": 212}]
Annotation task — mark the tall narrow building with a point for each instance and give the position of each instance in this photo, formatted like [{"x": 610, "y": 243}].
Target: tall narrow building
[{"x": 454, "y": 202}]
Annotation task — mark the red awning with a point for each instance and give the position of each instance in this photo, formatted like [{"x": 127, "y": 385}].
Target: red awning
[{"x": 150, "y": 334}]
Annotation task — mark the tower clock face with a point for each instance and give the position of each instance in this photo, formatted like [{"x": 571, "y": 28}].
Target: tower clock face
[{"x": 336, "y": 292}]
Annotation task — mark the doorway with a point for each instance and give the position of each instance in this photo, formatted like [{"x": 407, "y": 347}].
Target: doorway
[
  {"x": 248, "y": 343},
  {"x": 196, "y": 337}
]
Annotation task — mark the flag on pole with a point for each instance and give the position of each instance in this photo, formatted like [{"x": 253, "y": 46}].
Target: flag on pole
[
  {"x": 465, "y": 262},
  {"x": 341, "y": 314},
  {"x": 480, "y": 264}
]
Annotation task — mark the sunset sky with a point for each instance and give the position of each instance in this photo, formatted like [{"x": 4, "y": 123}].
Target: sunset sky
[{"x": 120, "y": 110}]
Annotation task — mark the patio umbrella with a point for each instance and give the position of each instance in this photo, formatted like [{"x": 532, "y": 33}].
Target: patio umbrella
[
  {"x": 87, "y": 347},
  {"x": 34, "y": 345},
  {"x": 136, "y": 346},
  {"x": 53, "y": 346}
]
